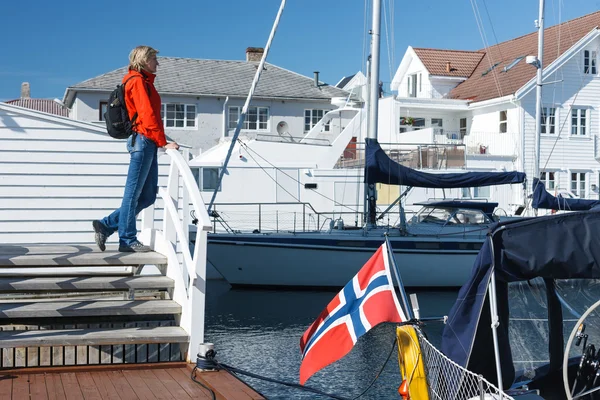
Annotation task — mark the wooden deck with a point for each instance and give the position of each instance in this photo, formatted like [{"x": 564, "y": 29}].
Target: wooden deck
[{"x": 150, "y": 381}]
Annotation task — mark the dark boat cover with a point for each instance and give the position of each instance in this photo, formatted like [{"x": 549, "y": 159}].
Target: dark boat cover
[
  {"x": 565, "y": 246},
  {"x": 543, "y": 199},
  {"x": 380, "y": 168}
]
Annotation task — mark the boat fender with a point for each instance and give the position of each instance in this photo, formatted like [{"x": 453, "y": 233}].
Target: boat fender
[{"x": 412, "y": 368}]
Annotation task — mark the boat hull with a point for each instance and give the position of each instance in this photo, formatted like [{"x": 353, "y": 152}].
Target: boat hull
[{"x": 331, "y": 261}]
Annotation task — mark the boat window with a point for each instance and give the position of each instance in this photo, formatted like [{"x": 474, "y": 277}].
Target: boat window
[
  {"x": 432, "y": 215},
  {"x": 469, "y": 217}
]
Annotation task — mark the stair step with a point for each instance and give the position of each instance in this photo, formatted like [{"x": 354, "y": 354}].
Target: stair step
[
  {"x": 69, "y": 256},
  {"x": 90, "y": 337},
  {"x": 77, "y": 283},
  {"x": 73, "y": 309}
]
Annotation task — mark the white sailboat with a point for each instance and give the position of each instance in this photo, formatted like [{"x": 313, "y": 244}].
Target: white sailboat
[{"x": 436, "y": 248}]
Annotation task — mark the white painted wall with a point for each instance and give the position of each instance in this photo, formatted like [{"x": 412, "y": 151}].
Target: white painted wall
[
  {"x": 564, "y": 153},
  {"x": 209, "y": 120},
  {"x": 56, "y": 176}
]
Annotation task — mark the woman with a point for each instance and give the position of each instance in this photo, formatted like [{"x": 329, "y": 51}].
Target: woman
[{"x": 142, "y": 178}]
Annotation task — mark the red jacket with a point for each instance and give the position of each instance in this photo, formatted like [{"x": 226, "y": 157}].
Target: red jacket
[{"x": 142, "y": 97}]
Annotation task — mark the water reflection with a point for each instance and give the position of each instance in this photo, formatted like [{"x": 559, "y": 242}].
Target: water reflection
[{"x": 260, "y": 330}]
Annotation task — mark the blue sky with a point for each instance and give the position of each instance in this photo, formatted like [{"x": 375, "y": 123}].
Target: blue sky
[{"x": 56, "y": 44}]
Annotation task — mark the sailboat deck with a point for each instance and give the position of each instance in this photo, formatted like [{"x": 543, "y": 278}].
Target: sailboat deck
[{"x": 127, "y": 382}]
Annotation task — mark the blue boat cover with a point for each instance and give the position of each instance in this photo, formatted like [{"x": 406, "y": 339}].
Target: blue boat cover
[
  {"x": 564, "y": 246},
  {"x": 379, "y": 168},
  {"x": 543, "y": 199}
]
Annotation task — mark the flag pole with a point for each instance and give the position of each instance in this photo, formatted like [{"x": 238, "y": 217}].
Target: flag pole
[{"x": 390, "y": 255}]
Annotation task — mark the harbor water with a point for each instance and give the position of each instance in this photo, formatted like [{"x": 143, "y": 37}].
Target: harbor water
[{"x": 259, "y": 331}]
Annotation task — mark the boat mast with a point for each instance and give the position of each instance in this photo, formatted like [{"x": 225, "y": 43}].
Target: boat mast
[
  {"x": 373, "y": 94},
  {"x": 538, "y": 90}
]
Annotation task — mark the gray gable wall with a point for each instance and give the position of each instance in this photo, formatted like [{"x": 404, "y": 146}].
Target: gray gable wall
[{"x": 221, "y": 78}]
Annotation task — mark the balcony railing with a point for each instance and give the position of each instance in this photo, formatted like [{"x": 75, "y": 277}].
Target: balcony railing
[{"x": 424, "y": 91}]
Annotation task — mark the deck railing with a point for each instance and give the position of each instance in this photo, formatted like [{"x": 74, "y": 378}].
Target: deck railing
[{"x": 187, "y": 269}]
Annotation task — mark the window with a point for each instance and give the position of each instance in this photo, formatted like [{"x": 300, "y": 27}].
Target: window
[
  {"x": 463, "y": 127},
  {"x": 438, "y": 126},
  {"x": 102, "y": 108},
  {"x": 589, "y": 62},
  {"x": 420, "y": 83},
  {"x": 311, "y": 117},
  {"x": 579, "y": 123},
  {"x": 482, "y": 192},
  {"x": 257, "y": 118},
  {"x": 207, "y": 178},
  {"x": 418, "y": 123},
  {"x": 578, "y": 184},
  {"x": 412, "y": 85},
  {"x": 503, "y": 121},
  {"x": 548, "y": 180},
  {"x": 176, "y": 115},
  {"x": 512, "y": 64},
  {"x": 548, "y": 120}
]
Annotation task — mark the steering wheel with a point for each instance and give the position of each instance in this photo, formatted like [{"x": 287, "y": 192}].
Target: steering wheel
[{"x": 589, "y": 364}]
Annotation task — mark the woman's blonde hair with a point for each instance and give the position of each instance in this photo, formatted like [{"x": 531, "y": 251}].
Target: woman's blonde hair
[{"x": 138, "y": 58}]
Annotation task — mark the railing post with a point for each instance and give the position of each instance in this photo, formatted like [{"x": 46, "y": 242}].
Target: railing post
[
  {"x": 294, "y": 221},
  {"x": 277, "y": 221},
  {"x": 303, "y": 217},
  {"x": 259, "y": 217}
]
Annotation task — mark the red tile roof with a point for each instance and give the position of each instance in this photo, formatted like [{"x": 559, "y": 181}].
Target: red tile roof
[
  {"x": 44, "y": 105},
  {"x": 462, "y": 63},
  {"x": 557, "y": 40}
]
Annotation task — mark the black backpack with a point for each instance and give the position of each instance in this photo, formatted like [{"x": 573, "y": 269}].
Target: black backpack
[{"x": 118, "y": 124}]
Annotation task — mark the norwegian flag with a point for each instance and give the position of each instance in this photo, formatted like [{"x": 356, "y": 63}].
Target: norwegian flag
[{"x": 367, "y": 300}]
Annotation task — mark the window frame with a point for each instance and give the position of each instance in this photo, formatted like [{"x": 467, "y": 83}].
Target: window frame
[
  {"x": 474, "y": 192},
  {"x": 186, "y": 113},
  {"x": 462, "y": 130},
  {"x": 503, "y": 123},
  {"x": 578, "y": 190},
  {"x": 199, "y": 177},
  {"x": 232, "y": 124},
  {"x": 312, "y": 123},
  {"x": 438, "y": 127},
  {"x": 548, "y": 178},
  {"x": 100, "y": 110},
  {"x": 548, "y": 120},
  {"x": 578, "y": 126},
  {"x": 590, "y": 62}
]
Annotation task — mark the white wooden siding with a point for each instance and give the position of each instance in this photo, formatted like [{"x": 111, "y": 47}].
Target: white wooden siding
[
  {"x": 56, "y": 176},
  {"x": 565, "y": 153}
]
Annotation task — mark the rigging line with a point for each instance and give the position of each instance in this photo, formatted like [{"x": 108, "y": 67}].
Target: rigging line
[
  {"x": 496, "y": 39},
  {"x": 488, "y": 50},
  {"x": 245, "y": 146},
  {"x": 387, "y": 38},
  {"x": 365, "y": 35},
  {"x": 485, "y": 43}
]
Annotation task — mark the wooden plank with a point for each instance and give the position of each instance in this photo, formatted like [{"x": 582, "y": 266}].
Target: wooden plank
[
  {"x": 88, "y": 386},
  {"x": 94, "y": 351},
  {"x": 8, "y": 356},
  {"x": 92, "y": 368},
  {"x": 105, "y": 386},
  {"x": 174, "y": 388},
  {"x": 71, "y": 386},
  {"x": 54, "y": 387},
  {"x": 89, "y": 337},
  {"x": 153, "y": 347},
  {"x": 20, "y": 387},
  {"x": 141, "y": 349},
  {"x": 20, "y": 357},
  {"x": 39, "y": 255},
  {"x": 33, "y": 353},
  {"x": 228, "y": 385},
  {"x": 82, "y": 308},
  {"x": 37, "y": 387},
  {"x": 136, "y": 381},
  {"x": 76, "y": 283},
  {"x": 129, "y": 350},
  {"x": 6, "y": 387},
  {"x": 194, "y": 390},
  {"x": 121, "y": 384},
  {"x": 81, "y": 351},
  {"x": 155, "y": 385}
]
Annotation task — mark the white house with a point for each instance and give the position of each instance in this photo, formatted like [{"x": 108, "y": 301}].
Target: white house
[
  {"x": 202, "y": 99},
  {"x": 484, "y": 101}
]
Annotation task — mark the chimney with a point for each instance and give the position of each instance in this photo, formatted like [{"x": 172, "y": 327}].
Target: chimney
[
  {"x": 448, "y": 67},
  {"x": 25, "y": 90},
  {"x": 254, "y": 53},
  {"x": 316, "y": 78}
]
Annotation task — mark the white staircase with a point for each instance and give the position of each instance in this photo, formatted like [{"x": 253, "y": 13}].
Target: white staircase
[{"x": 75, "y": 305}]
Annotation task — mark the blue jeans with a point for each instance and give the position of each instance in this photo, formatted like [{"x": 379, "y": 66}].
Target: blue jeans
[{"x": 140, "y": 190}]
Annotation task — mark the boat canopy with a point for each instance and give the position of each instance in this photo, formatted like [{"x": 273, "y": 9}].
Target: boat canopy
[
  {"x": 555, "y": 247},
  {"x": 543, "y": 199},
  {"x": 380, "y": 168}
]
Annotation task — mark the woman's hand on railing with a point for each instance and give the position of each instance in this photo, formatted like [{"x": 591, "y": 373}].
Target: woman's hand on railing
[{"x": 172, "y": 145}]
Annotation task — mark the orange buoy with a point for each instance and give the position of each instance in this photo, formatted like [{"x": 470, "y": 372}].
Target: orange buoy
[{"x": 403, "y": 390}]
